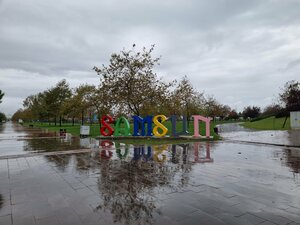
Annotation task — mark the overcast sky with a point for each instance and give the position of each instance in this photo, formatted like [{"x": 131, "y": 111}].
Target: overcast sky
[{"x": 240, "y": 51}]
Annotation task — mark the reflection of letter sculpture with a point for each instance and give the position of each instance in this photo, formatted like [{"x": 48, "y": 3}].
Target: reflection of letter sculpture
[
  {"x": 158, "y": 155},
  {"x": 105, "y": 121},
  {"x": 149, "y": 154},
  {"x": 138, "y": 152},
  {"x": 159, "y": 125},
  {"x": 106, "y": 144},
  {"x": 119, "y": 131},
  {"x": 196, "y": 125},
  {"x": 138, "y": 121},
  {"x": 119, "y": 151},
  {"x": 197, "y": 150},
  {"x": 106, "y": 147}
]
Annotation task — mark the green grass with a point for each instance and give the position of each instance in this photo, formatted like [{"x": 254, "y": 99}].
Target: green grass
[
  {"x": 95, "y": 130},
  {"x": 270, "y": 123}
]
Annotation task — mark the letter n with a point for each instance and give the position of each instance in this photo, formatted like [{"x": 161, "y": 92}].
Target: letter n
[{"x": 196, "y": 125}]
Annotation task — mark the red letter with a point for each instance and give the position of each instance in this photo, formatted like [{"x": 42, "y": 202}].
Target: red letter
[{"x": 105, "y": 121}]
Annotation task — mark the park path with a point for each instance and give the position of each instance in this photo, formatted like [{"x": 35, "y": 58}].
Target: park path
[
  {"x": 216, "y": 183},
  {"x": 236, "y": 132},
  {"x": 16, "y": 139}
]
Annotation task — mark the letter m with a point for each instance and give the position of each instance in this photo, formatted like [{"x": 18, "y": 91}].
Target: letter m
[{"x": 139, "y": 123}]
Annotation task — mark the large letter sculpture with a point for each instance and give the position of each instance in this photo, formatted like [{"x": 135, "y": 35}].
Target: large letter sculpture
[
  {"x": 138, "y": 121},
  {"x": 105, "y": 121},
  {"x": 122, "y": 131},
  {"x": 196, "y": 125},
  {"x": 159, "y": 124},
  {"x": 184, "y": 126}
]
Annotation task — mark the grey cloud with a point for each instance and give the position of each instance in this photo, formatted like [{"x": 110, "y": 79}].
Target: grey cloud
[
  {"x": 232, "y": 46},
  {"x": 292, "y": 64}
]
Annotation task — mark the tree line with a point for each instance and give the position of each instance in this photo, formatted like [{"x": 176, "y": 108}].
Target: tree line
[
  {"x": 129, "y": 86},
  {"x": 288, "y": 100}
]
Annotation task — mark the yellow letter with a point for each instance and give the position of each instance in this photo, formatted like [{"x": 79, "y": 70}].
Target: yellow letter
[{"x": 159, "y": 125}]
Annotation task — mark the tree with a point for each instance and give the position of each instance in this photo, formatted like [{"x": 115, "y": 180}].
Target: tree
[
  {"x": 2, "y": 117},
  {"x": 100, "y": 100},
  {"x": 251, "y": 112},
  {"x": 36, "y": 105},
  {"x": 290, "y": 96},
  {"x": 55, "y": 98},
  {"x": 272, "y": 110},
  {"x": 214, "y": 109},
  {"x": 25, "y": 115},
  {"x": 185, "y": 100},
  {"x": 233, "y": 115},
  {"x": 130, "y": 82},
  {"x": 224, "y": 111},
  {"x": 80, "y": 101},
  {"x": 1, "y": 96},
  {"x": 17, "y": 115}
]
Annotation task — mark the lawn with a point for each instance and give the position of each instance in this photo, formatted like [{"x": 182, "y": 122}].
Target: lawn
[{"x": 270, "y": 123}]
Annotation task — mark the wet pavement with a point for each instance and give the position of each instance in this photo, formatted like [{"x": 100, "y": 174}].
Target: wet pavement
[
  {"x": 16, "y": 140},
  {"x": 235, "y": 132},
  {"x": 114, "y": 183}
]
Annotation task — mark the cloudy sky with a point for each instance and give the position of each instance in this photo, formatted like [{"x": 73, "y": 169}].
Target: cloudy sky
[{"x": 240, "y": 51}]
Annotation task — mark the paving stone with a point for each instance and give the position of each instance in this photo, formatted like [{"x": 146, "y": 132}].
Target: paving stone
[
  {"x": 201, "y": 218},
  {"x": 272, "y": 217},
  {"x": 176, "y": 210},
  {"x": 92, "y": 218},
  {"x": 48, "y": 221},
  {"x": 57, "y": 201},
  {"x": 267, "y": 223},
  {"x": 5, "y": 220},
  {"x": 5, "y": 210},
  {"x": 252, "y": 219},
  {"x": 27, "y": 219}
]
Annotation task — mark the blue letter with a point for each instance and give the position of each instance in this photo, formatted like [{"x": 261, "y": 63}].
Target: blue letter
[
  {"x": 184, "y": 126},
  {"x": 138, "y": 121}
]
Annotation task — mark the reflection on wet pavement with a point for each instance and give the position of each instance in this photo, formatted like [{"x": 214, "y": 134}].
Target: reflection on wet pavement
[
  {"x": 116, "y": 183},
  {"x": 16, "y": 139},
  {"x": 194, "y": 183},
  {"x": 236, "y": 132}
]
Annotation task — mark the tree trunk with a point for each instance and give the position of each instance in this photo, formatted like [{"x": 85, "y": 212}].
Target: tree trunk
[
  {"x": 188, "y": 120},
  {"x": 187, "y": 115},
  {"x": 82, "y": 117},
  {"x": 55, "y": 120},
  {"x": 99, "y": 119},
  {"x": 73, "y": 121},
  {"x": 60, "y": 118},
  {"x": 284, "y": 121},
  {"x": 90, "y": 119}
]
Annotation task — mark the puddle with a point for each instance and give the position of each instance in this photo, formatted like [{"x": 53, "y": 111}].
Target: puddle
[
  {"x": 17, "y": 140},
  {"x": 117, "y": 183},
  {"x": 236, "y": 132}
]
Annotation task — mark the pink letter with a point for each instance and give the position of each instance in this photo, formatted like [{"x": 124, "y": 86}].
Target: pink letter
[{"x": 196, "y": 125}]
